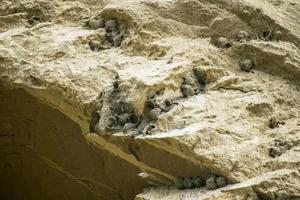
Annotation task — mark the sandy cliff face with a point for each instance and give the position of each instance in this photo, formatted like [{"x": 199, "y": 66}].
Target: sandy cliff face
[{"x": 146, "y": 99}]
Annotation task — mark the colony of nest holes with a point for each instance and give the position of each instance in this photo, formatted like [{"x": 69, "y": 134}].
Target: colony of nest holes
[
  {"x": 120, "y": 116},
  {"x": 115, "y": 33}
]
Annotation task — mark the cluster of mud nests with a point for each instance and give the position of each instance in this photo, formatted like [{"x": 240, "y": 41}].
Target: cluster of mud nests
[
  {"x": 114, "y": 33},
  {"x": 117, "y": 114},
  {"x": 247, "y": 64},
  {"x": 280, "y": 147},
  {"x": 244, "y": 36},
  {"x": 212, "y": 182}
]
